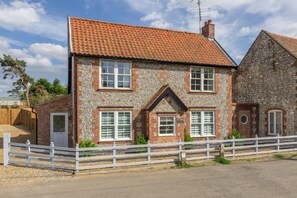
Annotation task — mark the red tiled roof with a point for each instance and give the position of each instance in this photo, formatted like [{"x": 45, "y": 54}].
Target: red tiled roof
[
  {"x": 99, "y": 38},
  {"x": 289, "y": 43}
]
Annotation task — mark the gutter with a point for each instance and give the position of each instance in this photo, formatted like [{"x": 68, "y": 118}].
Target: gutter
[{"x": 36, "y": 124}]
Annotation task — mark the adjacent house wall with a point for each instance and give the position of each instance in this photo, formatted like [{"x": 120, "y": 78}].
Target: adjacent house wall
[
  {"x": 147, "y": 79},
  {"x": 267, "y": 77},
  {"x": 60, "y": 105}
]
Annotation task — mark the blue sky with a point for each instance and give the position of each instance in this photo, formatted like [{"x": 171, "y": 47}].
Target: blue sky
[{"x": 36, "y": 30}]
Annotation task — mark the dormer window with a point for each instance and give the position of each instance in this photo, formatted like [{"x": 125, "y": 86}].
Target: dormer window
[
  {"x": 202, "y": 79},
  {"x": 115, "y": 75}
]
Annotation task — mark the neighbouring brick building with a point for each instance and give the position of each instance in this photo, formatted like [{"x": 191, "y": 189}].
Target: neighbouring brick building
[
  {"x": 265, "y": 87},
  {"x": 129, "y": 80}
]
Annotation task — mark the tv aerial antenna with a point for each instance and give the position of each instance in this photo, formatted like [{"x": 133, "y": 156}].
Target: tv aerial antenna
[{"x": 199, "y": 13}]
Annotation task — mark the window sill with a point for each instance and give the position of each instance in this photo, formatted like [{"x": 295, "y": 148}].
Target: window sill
[
  {"x": 201, "y": 136},
  {"x": 117, "y": 140},
  {"x": 202, "y": 92},
  {"x": 114, "y": 90},
  {"x": 169, "y": 135}
]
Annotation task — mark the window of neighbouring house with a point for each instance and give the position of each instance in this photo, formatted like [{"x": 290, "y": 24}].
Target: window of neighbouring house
[
  {"x": 202, "y": 123},
  {"x": 115, "y": 74},
  {"x": 115, "y": 125},
  {"x": 275, "y": 119},
  {"x": 166, "y": 125},
  {"x": 202, "y": 79}
]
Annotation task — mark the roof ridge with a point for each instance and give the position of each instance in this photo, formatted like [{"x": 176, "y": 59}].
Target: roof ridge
[
  {"x": 137, "y": 26},
  {"x": 278, "y": 34}
]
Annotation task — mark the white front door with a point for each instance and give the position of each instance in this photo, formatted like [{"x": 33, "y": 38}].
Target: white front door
[{"x": 59, "y": 129}]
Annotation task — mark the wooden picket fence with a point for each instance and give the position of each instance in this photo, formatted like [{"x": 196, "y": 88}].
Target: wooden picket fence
[
  {"x": 17, "y": 116},
  {"x": 77, "y": 159}
]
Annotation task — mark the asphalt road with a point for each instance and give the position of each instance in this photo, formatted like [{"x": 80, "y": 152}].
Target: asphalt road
[{"x": 255, "y": 179}]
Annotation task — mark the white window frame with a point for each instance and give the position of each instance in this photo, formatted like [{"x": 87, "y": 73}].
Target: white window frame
[
  {"x": 116, "y": 65},
  {"x": 174, "y": 127},
  {"x": 202, "y": 124},
  {"x": 274, "y": 124},
  {"x": 116, "y": 121},
  {"x": 202, "y": 79}
]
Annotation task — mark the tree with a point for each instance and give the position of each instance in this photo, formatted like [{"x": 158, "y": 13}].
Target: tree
[
  {"x": 42, "y": 90},
  {"x": 14, "y": 68}
]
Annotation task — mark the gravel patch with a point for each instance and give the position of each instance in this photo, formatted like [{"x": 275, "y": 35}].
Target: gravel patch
[{"x": 12, "y": 176}]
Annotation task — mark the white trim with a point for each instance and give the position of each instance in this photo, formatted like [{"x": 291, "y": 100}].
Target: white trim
[
  {"x": 174, "y": 127},
  {"x": 202, "y": 79},
  {"x": 115, "y": 126},
  {"x": 202, "y": 124},
  {"x": 115, "y": 74},
  {"x": 70, "y": 36},
  {"x": 52, "y": 125},
  {"x": 274, "y": 111}
]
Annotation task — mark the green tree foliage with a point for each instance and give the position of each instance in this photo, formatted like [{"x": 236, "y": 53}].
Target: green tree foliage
[
  {"x": 42, "y": 90},
  {"x": 16, "y": 69}
]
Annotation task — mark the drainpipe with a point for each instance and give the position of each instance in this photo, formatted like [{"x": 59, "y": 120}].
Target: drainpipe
[{"x": 36, "y": 125}]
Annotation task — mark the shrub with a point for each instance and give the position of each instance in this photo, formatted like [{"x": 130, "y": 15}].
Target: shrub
[
  {"x": 87, "y": 144},
  {"x": 183, "y": 165},
  {"x": 222, "y": 160},
  {"x": 236, "y": 135},
  {"x": 187, "y": 136},
  {"x": 141, "y": 139},
  {"x": 278, "y": 156}
]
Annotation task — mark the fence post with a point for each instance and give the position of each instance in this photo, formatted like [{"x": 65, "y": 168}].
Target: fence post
[
  {"x": 114, "y": 154},
  {"x": 28, "y": 151},
  {"x": 207, "y": 147},
  {"x": 76, "y": 158},
  {"x": 233, "y": 146},
  {"x": 6, "y": 148},
  {"x": 278, "y": 142},
  {"x": 222, "y": 150},
  {"x": 52, "y": 154},
  {"x": 257, "y": 144},
  {"x": 179, "y": 150},
  {"x": 148, "y": 152}
]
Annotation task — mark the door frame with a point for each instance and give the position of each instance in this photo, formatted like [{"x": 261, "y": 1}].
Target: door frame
[{"x": 52, "y": 124}]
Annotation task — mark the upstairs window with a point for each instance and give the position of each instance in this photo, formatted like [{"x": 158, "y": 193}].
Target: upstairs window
[
  {"x": 202, "y": 79},
  {"x": 115, "y": 75}
]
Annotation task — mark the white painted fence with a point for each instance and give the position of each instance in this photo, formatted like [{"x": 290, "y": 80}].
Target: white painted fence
[{"x": 76, "y": 159}]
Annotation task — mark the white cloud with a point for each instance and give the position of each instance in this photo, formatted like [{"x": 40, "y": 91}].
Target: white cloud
[
  {"x": 238, "y": 22},
  {"x": 245, "y": 31},
  {"x": 51, "y": 50},
  {"x": 46, "y": 60},
  {"x": 32, "y": 18},
  {"x": 152, "y": 16}
]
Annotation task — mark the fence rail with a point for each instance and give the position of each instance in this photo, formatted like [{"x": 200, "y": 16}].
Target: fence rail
[{"x": 77, "y": 159}]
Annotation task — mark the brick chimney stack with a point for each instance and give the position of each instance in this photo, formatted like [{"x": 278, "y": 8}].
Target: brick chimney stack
[{"x": 208, "y": 30}]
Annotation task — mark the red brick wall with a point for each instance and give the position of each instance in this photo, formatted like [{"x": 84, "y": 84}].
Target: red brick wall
[{"x": 60, "y": 105}]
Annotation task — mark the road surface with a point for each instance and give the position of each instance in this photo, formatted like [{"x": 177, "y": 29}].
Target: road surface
[{"x": 253, "y": 179}]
